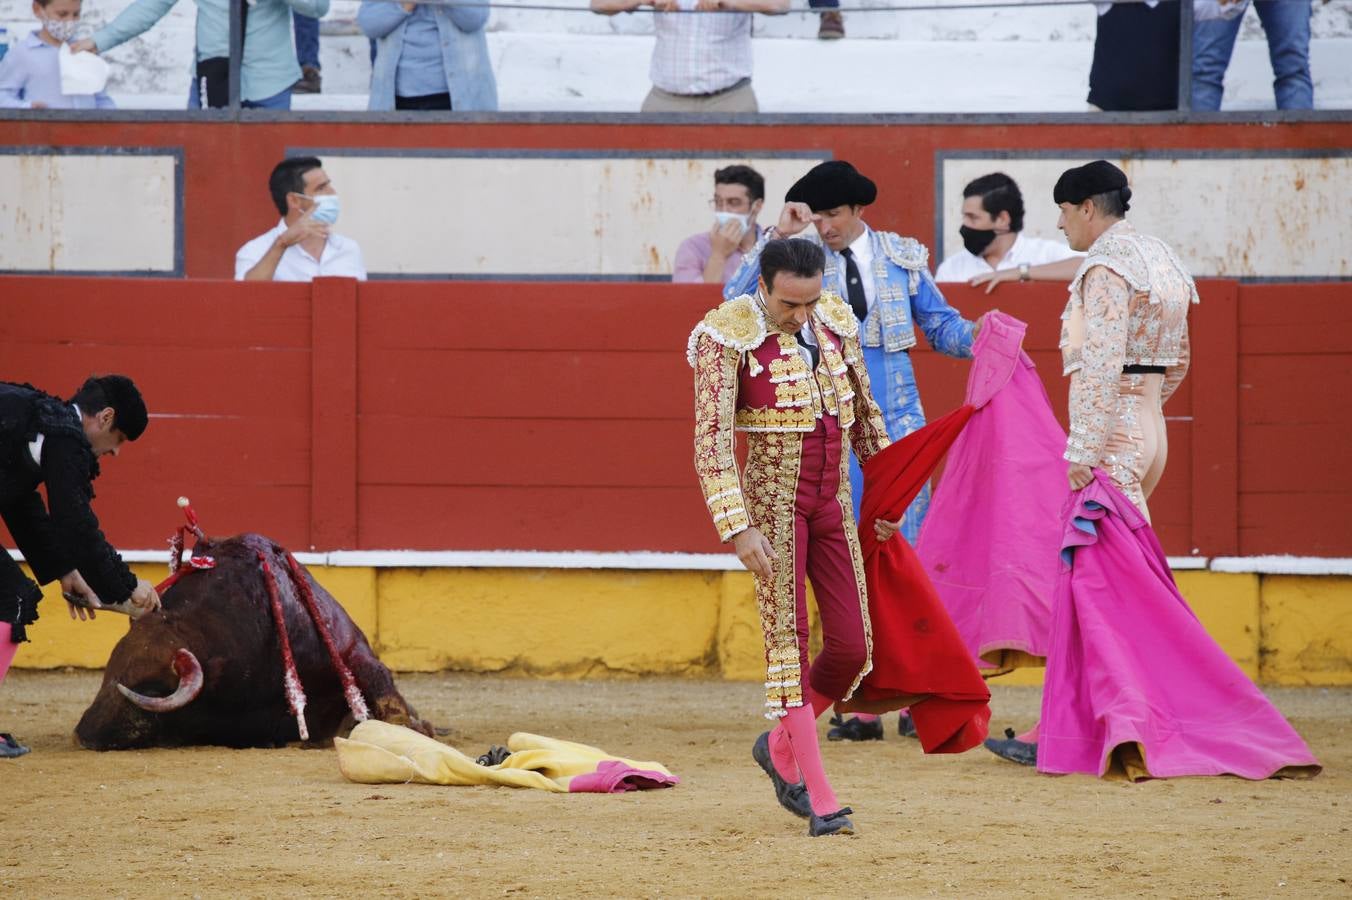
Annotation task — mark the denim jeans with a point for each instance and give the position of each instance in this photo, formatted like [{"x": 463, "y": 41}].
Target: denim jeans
[
  {"x": 1287, "y": 25},
  {"x": 307, "y": 39},
  {"x": 276, "y": 101}
]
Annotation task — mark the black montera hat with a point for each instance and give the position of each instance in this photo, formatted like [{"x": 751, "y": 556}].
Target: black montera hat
[
  {"x": 1099, "y": 177},
  {"x": 831, "y": 184}
]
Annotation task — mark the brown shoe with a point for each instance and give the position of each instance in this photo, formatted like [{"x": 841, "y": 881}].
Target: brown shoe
[
  {"x": 832, "y": 27},
  {"x": 310, "y": 81}
]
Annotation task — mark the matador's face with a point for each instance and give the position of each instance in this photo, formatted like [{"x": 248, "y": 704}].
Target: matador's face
[
  {"x": 1074, "y": 223},
  {"x": 790, "y": 300}
]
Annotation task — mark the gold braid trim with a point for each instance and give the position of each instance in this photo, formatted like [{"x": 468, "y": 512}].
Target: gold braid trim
[
  {"x": 737, "y": 324},
  {"x": 846, "y": 501},
  {"x": 715, "y": 462},
  {"x": 836, "y": 315},
  {"x": 772, "y": 466}
]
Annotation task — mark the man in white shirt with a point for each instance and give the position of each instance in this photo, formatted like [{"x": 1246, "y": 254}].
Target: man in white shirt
[
  {"x": 301, "y": 247},
  {"x": 994, "y": 246},
  {"x": 702, "y": 58}
]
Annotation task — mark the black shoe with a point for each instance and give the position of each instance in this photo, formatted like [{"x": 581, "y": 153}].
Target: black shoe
[
  {"x": 855, "y": 729},
  {"x": 792, "y": 797},
  {"x": 10, "y": 748},
  {"x": 906, "y": 727},
  {"x": 1021, "y": 752},
  {"x": 837, "y": 822}
]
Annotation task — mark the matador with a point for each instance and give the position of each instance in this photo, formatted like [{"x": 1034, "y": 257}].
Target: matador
[{"x": 784, "y": 367}]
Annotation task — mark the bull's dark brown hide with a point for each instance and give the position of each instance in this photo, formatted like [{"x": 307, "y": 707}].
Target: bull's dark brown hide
[{"x": 222, "y": 616}]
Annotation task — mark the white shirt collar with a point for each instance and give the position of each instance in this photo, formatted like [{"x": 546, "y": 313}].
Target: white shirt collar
[
  {"x": 862, "y": 248},
  {"x": 1011, "y": 257}
]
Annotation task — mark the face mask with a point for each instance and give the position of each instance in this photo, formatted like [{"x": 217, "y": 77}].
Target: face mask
[
  {"x": 724, "y": 218},
  {"x": 327, "y": 208},
  {"x": 61, "y": 29},
  {"x": 976, "y": 240}
]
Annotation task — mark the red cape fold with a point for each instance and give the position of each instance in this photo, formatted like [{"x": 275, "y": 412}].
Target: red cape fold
[{"x": 916, "y": 648}]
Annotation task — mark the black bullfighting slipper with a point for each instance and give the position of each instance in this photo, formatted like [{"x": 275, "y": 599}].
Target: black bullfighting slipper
[
  {"x": 10, "y": 748},
  {"x": 1021, "y": 752},
  {"x": 906, "y": 727},
  {"x": 837, "y": 822},
  {"x": 792, "y": 797},
  {"x": 855, "y": 729}
]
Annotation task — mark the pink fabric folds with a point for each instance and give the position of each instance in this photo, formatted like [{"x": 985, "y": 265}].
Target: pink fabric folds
[
  {"x": 1129, "y": 663},
  {"x": 989, "y": 542},
  {"x": 614, "y": 777}
]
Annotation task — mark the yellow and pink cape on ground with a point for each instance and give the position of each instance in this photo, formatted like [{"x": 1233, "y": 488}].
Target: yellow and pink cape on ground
[{"x": 380, "y": 753}]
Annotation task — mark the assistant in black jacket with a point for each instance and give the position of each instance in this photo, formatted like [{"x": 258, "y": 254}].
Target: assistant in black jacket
[{"x": 44, "y": 441}]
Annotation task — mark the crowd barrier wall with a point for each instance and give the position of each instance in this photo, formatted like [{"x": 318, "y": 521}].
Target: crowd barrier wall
[
  {"x": 460, "y": 416},
  {"x": 556, "y": 416}
]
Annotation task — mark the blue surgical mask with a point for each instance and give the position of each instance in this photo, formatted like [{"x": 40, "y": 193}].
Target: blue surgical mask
[{"x": 326, "y": 209}]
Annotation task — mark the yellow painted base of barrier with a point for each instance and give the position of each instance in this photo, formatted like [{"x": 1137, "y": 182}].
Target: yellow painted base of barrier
[{"x": 563, "y": 623}]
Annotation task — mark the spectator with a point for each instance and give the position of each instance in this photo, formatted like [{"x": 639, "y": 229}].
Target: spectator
[
  {"x": 30, "y": 73},
  {"x": 429, "y": 57},
  {"x": 307, "y": 54},
  {"x": 269, "y": 67},
  {"x": 832, "y": 25},
  {"x": 701, "y": 61},
  {"x": 712, "y": 256},
  {"x": 995, "y": 249},
  {"x": 1287, "y": 26},
  {"x": 301, "y": 247},
  {"x": 1135, "y": 56}
]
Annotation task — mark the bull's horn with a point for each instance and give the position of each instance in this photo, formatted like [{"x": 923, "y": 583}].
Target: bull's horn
[{"x": 189, "y": 672}]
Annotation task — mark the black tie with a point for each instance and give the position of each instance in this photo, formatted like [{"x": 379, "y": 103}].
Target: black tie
[
  {"x": 854, "y": 286},
  {"x": 812, "y": 351}
]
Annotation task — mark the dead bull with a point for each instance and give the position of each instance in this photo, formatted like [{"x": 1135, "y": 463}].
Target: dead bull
[{"x": 208, "y": 668}]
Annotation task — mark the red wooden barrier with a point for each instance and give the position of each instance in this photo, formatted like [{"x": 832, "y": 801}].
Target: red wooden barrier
[
  {"x": 456, "y": 415},
  {"x": 1294, "y": 397}
]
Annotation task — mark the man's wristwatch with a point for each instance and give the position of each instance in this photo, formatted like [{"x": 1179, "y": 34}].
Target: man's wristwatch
[{"x": 1023, "y": 272}]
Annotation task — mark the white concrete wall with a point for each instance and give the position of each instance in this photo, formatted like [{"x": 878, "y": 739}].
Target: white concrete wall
[
  {"x": 624, "y": 216},
  {"x": 70, "y": 213},
  {"x": 466, "y": 215},
  {"x": 1226, "y": 217}
]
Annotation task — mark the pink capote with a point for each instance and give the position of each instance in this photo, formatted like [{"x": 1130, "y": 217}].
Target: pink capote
[
  {"x": 614, "y": 777},
  {"x": 989, "y": 542},
  {"x": 1129, "y": 662}
]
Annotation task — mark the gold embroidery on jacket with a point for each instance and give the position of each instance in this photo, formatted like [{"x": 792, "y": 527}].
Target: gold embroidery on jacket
[
  {"x": 772, "y": 465},
  {"x": 715, "y": 400}
]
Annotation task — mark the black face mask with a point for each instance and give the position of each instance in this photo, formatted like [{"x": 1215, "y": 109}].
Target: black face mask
[{"x": 976, "y": 240}]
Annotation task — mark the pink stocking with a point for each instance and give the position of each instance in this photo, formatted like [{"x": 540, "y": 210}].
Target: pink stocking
[
  {"x": 780, "y": 749},
  {"x": 781, "y": 754},
  {"x": 820, "y": 702},
  {"x": 7, "y": 650},
  {"x": 1029, "y": 736},
  {"x": 801, "y": 725},
  {"x": 866, "y": 717}
]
